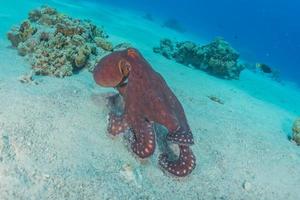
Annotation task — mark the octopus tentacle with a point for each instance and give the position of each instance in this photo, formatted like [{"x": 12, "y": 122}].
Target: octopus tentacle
[
  {"x": 144, "y": 141},
  {"x": 116, "y": 124},
  {"x": 181, "y": 137},
  {"x": 183, "y": 166}
]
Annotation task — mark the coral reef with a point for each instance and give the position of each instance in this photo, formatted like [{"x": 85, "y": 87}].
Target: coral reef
[
  {"x": 217, "y": 58},
  {"x": 122, "y": 46},
  {"x": 104, "y": 44},
  {"x": 166, "y": 48},
  {"x": 296, "y": 131},
  {"x": 221, "y": 59},
  {"x": 58, "y": 45}
]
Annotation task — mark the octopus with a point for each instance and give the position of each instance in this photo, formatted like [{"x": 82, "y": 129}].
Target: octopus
[{"x": 147, "y": 100}]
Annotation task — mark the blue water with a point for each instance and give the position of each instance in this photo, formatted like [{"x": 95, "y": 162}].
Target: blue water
[{"x": 264, "y": 31}]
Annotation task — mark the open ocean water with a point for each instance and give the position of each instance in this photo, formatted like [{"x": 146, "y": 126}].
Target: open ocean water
[{"x": 263, "y": 31}]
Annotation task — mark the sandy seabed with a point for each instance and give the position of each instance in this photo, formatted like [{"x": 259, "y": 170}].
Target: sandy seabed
[{"x": 53, "y": 141}]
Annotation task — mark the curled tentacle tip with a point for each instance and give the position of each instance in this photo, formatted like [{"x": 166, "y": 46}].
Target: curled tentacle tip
[{"x": 181, "y": 167}]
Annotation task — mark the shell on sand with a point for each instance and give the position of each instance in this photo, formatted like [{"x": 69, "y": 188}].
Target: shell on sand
[{"x": 131, "y": 175}]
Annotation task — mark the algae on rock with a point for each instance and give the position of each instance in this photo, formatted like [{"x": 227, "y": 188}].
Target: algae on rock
[{"x": 58, "y": 45}]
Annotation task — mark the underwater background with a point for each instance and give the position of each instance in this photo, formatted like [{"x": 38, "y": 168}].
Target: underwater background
[
  {"x": 54, "y": 136},
  {"x": 263, "y": 31}
]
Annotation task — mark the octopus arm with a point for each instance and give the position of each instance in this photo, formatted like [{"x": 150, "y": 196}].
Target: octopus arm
[
  {"x": 181, "y": 167},
  {"x": 162, "y": 113},
  {"x": 172, "y": 117},
  {"x": 116, "y": 124},
  {"x": 144, "y": 138},
  {"x": 181, "y": 137}
]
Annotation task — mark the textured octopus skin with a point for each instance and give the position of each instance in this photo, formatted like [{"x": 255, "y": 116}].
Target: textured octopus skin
[{"x": 148, "y": 100}]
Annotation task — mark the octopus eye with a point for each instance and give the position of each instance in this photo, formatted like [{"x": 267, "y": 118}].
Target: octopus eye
[{"x": 124, "y": 67}]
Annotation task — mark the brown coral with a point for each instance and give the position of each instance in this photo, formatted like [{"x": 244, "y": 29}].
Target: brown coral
[
  {"x": 217, "y": 58},
  {"x": 102, "y": 43},
  {"x": 58, "y": 45},
  {"x": 21, "y": 34}
]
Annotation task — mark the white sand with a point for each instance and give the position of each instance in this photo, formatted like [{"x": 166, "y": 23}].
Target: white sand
[{"x": 53, "y": 142}]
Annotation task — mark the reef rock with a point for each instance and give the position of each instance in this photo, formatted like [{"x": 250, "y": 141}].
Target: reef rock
[
  {"x": 166, "y": 48},
  {"x": 104, "y": 44},
  {"x": 217, "y": 58},
  {"x": 221, "y": 59},
  {"x": 296, "y": 131},
  {"x": 187, "y": 53},
  {"x": 122, "y": 46},
  {"x": 58, "y": 45},
  {"x": 21, "y": 34}
]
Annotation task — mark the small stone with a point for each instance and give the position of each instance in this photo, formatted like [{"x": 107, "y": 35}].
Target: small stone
[
  {"x": 215, "y": 99},
  {"x": 247, "y": 186},
  {"x": 131, "y": 175},
  {"x": 127, "y": 172},
  {"x": 28, "y": 78}
]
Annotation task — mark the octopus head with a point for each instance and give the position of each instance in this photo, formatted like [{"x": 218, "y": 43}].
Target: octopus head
[{"x": 113, "y": 69}]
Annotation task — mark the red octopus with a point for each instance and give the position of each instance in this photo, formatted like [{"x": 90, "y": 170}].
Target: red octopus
[{"x": 148, "y": 100}]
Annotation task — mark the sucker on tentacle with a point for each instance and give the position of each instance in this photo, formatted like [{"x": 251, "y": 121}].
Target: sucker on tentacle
[
  {"x": 116, "y": 124},
  {"x": 181, "y": 137}
]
